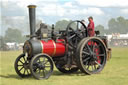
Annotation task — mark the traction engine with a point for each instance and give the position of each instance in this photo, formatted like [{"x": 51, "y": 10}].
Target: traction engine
[{"x": 70, "y": 50}]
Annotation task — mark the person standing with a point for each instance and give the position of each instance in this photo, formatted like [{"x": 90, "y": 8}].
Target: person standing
[{"x": 91, "y": 27}]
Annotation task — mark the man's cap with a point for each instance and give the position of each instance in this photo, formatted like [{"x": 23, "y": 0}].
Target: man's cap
[{"x": 90, "y": 17}]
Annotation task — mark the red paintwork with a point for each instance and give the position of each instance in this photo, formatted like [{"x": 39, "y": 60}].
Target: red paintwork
[
  {"x": 53, "y": 48},
  {"x": 96, "y": 50},
  {"x": 60, "y": 48}
]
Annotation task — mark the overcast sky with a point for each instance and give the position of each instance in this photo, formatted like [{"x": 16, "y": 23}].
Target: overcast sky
[{"x": 15, "y": 13}]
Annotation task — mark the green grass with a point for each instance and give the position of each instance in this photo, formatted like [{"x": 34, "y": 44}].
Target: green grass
[{"x": 114, "y": 73}]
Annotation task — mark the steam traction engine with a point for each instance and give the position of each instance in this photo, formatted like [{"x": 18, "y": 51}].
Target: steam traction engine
[{"x": 70, "y": 50}]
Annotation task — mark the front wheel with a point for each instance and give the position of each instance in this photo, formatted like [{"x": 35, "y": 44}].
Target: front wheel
[
  {"x": 22, "y": 66},
  {"x": 41, "y": 66}
]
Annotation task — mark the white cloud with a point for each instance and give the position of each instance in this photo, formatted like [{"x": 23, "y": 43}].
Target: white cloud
[
  {"x": 52, "y": 10},
  {"x": 95, "y": 11},
  {"x": 104, "y": 3},
  {"x": 24, "y": 3},
  {"x": 67, "y": 19},
  {"x": 49, "y": 9},
  {"x": 56, "y": 9},
  {"x": 124, "y": 11},
  {"x": 86, "y": 11},
  {"x": 61, "y": 11},
  {"x": 68, "y": 4},
  {"x": 73, "y": 12},
  {"x": 21, "y": 3},
  {"x": 18, "y": 17}
]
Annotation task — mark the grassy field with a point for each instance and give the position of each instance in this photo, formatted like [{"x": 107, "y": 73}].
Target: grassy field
[{"x": 114, "y": 73}]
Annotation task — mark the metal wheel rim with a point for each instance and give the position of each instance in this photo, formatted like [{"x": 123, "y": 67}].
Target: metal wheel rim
[
  {"x": 41, "y": 67},
  {"x": 22, "y": 66},
  {"x": 93, "y": 66}
]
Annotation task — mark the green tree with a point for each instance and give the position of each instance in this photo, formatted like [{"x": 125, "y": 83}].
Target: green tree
[
  {"x": 62, "y": 24},
  {"x": 13, "y": 35},
  {"x": 2, "y": 43},
  {"x": 112, "y": 24},
  {"x": 100, "y": 28},
  {"x": 118, "y": 25},
  {"x": 122, "y": 24}
]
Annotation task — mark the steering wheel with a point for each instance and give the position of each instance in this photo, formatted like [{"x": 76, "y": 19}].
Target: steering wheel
[{"x": 76, "y": 30}]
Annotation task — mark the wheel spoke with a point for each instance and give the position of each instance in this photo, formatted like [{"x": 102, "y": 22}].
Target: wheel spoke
[
  {"x": 89, "y": 48},
  {"x": 24, "y": 59},
  {"x": 19, "y": 65},
  {"x": 88, "y": 66},
  {"x": 95, "y": 66},
  {"x": 46, "y": 62},
  {"x": 98, "y": 63},
  {"x": 100, "y": 55},
  {"x": 43, "y": 59},
  {"x": 86, "y": 59},
  {"x": 94, "y": 47},
  {"x": 86, "y": 63},
  {"x": 27, "y": 71},
  {"x": 44, "y": 73},
  {"x": 37, "y": 70},
  {"x": 39, "y": 60},
  {"x": 24, "y": 71},
  {"x": 98, "y": 46},
  {"x": 47, "y": 66},
  {"x": 72, "y": 36},
  {"x": 91, "y": 44},
  {"x": 21, "y": 61},
  {"x": 85, "y": 53},
  {"x": 21, "y": 69},
  {"x": 85, "y": 49}
]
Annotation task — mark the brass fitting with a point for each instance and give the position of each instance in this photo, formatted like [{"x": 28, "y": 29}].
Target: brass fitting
[{"x": 31, "y": 6}]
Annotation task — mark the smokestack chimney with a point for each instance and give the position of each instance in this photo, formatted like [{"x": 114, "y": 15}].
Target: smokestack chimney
[{"x": 32, "y": 19}]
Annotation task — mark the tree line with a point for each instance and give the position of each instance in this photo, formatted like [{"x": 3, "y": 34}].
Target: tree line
[
  {"x": 118, "y": 25},
  {"x": 115, "y": 25}
]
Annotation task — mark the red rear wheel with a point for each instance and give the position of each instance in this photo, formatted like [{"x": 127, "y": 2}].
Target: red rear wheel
[{"x": 91, "y": 55}]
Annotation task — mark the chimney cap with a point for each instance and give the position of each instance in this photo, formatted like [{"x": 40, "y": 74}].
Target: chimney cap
[{"x": 31, "y": 6}]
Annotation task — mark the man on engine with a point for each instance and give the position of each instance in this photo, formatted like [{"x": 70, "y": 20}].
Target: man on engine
[{"x": 90, "y": 27}]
